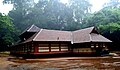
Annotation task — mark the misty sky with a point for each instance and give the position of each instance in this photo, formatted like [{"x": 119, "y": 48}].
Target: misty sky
[{"x": 97, "y": 5}]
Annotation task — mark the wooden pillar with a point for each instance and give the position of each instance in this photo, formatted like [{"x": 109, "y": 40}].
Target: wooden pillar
[
  {"x": 35, "y": 45},
  {"x": 49, "y": 47},
  {"x": 69, "y": 47},
  {"x": 24, "y": 47},
  {"x": 59, "y": 46},
  {"x": 27, "y": 47}
]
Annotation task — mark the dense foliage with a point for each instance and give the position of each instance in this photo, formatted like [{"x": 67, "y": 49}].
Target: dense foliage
[
  {"x": 108, "y": 22},
  {"x": 52, "y": 14},
  {"x": 6, "y": 32}
]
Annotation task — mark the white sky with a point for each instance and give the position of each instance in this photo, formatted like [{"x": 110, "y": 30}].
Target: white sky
[
  {"x": 97, "y": 5},
  {"x": 5, "y": 8}
]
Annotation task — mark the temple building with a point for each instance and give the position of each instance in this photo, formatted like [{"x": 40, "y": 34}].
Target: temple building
[{"x": 37, "y": 41}]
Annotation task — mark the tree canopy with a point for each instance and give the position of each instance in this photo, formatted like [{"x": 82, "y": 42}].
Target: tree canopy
[
  {"x": 6, "y": 31},
  {"x": 52, "y": 14}
]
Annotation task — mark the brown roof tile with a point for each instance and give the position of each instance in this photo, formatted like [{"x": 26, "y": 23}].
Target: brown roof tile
[
  {"x": 98, "y": 38},
  {"x": 53, "y": 35},
  {"x": 79, "y": 36},
  {"x": 82, "y": 35},
  {"x": 88, "y": 35}
]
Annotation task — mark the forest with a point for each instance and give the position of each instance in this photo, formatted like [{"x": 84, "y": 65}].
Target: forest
[{"x": 53, "y": 14}]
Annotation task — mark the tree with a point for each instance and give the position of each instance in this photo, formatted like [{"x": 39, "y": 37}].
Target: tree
[
  {"x": 51, "y": 14},
  {"x": 108, "y": 22},
  {"x": 80, "y": 9},
  {"x": 19, "y": 12},
  {"x": 6, "y": 32},
  {"x": 112, "y": 32},
  {"x": 103, "y": 17}
]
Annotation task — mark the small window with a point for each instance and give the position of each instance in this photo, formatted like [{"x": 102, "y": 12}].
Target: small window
[
  {"x": 97, "y": 46},
  {"x": 32, "y": 49},
  {"x": 54, "y": 45},
  {"x": 92, "y": 46},
  {"x": 103, "y": 45},
  {"x": 54, "y": 49},
  {"x": 65, "y": 49},
  {"x": 43, "y": 49}
]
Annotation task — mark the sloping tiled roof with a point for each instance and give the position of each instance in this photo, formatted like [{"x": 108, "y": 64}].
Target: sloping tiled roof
[
  {"x": 82, "y": 35},
  {"x": 98, "y": 38},
  {"x": 78, "y": 36},
  {"x": 32, "y": 28},
  {"x": 53, "y": 35},
  {"x": 88, "y": 35}
]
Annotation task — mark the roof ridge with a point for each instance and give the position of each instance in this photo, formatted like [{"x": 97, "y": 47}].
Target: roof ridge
[
  {"x": 57, "y": 30},
  {"x": 30, "y": 28},
  {"x": 84, "y": 29},
  {"x": 37, "y": 34}
]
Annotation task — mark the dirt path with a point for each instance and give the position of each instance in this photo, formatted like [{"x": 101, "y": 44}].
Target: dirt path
[
  {"x": 63, "y": 63},
  {"x": 4, "y": 63}
]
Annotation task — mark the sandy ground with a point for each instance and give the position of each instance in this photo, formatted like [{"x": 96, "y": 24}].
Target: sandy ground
[
  {"x": 63, "y": 63},
  {"x": 4, "y": 63}
]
